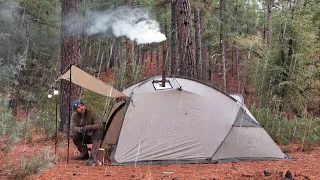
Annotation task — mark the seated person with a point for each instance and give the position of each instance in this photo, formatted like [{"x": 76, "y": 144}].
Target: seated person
[{"x": 86, "y": 128}]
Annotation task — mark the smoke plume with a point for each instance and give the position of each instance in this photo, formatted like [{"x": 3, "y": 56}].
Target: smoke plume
[{"x": 135, "y": 24}]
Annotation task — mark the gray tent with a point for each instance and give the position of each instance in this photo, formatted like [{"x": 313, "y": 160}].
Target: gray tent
[{"x": 184, "y": 122}]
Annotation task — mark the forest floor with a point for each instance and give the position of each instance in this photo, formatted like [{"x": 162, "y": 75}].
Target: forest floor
[{"x": 304, "y": 165}]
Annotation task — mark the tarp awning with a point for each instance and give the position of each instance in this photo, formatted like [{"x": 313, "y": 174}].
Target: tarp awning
[{"x": 83, "y": 79}]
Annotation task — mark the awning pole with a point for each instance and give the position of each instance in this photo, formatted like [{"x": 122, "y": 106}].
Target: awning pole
[{"x": 69, "y": 115}]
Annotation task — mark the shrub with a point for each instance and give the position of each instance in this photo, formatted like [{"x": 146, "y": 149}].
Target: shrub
[
  {"x": 46, "y": 123},
  {"x": 8, "y": 126},
  {"x": 34, "y": 166},
  {"x": 283, "y": 131},
  {"x": 7, "y": 122}
]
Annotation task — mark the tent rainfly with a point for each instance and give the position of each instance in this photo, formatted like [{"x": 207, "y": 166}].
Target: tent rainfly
[{"x": 184, "y": 122}]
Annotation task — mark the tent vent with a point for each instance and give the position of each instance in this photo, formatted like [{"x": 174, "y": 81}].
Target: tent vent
[{"x": 157, "y": 84}]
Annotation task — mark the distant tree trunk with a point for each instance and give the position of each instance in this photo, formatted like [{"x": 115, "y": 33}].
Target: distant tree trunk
[
  {"x": 269, "y": 34},
  {"x": 70, "y": 53},
  {"x": 138, "y": 55},
  {"x": 158, "y": 60},
  {"x": 110, "y": 63},
  {"x": 116, "y": 52},
  {"x": 174, "y": 36},
  {"x": 264, "y": 28},
  {"x": 222, "y": 43},
  {"x": 119, "y": 47},
  {"x": 205, "y": 61},
  {"x": 186, "y": 46},
  {"x": 198, "y": 42},
  {"x": 129, "y": 45},
  {"x": 236, "y": 49},
  {"x": 96, "y": 60},
  {"x": 237, "y": 69},
  {"x": 204, "y": 53},
  {"x": 208, "y": 53},
  {"x": 145, "y": 54},
  {"x": 158, "y": 51},
  {"x": 151, "y": 58}
]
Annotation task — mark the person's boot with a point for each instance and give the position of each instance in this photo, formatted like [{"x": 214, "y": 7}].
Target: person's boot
[
  {"x": 83, "y": 156},
  {"x": 90, "y": 163}
]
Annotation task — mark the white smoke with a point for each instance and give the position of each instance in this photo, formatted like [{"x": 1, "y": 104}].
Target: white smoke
[{"x": 135, "y": 24}]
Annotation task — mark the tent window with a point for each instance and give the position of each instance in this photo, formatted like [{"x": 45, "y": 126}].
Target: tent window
[{"x": 157, "y": 84}]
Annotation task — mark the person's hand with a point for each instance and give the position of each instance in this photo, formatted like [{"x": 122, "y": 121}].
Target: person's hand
[
  {"x": 82, "y": 130},
  {"x": 90, "y": 133}
]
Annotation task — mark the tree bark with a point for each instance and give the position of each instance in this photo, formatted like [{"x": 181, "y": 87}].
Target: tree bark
[
  {"x": 110, "y": 64},
  {"x": 116, "y": 52},
  {"x": 138, "y": 55},
  {"x": 204, "y": 55},
  {"x": 174, "y": 36},
  {"x": 198, "y": 43},
  {"x": 269, "y": 34},
  {"x": 158, "y": 60},
  {"x": 237, "y": 51},
  {"x": 70, "y": 53},
  {"x": 186, "y": 46}
]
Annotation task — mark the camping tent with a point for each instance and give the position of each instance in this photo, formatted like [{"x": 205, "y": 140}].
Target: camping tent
[{"x": 185, "y": 121}]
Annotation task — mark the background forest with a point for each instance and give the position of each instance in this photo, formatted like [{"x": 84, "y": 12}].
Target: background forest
[{"x": 266, "y": 50}]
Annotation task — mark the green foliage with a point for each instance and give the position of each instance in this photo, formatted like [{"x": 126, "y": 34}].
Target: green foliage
[
  {"x": 40, "y": 122},
  {"x": 124, "y": 77},
  {"x": 24, "y": 130},
  {"x": 96, "y": 102},
  {"x": 8, "y": 125},
  {"x": 29, "y": 47},
  {"x": 283, "y": 131},
  {"x": 7, "y": 121},
  {"x": 284, "y": 75},
  {"x": 46, "y": 123},
  {"x": 34, "y": 166},
  {"x": 18, "y": 131}
]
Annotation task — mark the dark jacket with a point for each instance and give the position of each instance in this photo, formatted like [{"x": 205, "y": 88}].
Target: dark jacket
[{"x": 89, "y": 119}]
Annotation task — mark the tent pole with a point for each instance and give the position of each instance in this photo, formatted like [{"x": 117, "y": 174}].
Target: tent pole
[
  {"x": 69, "y": 115},
  {"x": 56, "y": 133}
]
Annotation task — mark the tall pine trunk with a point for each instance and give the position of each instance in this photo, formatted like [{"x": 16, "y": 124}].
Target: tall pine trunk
[
  {"x": 70, "y": 53},
  {"x": 186, "y": 46},
  {"x": 198, "y": 43},
  {"x": 174, "y": 36},
  {"x": 204, "y": 51}
]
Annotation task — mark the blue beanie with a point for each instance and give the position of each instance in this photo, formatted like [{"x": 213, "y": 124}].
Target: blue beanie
[{"x": 76, "y": 103}]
